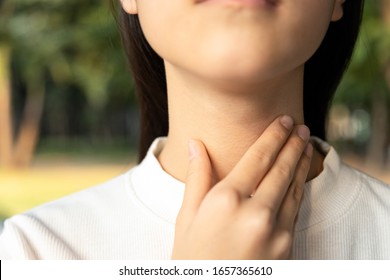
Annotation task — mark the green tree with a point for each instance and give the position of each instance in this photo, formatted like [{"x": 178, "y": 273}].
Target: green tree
[
  {"x": 365, "y": 84},
  {"x": 70, "y": 42}
]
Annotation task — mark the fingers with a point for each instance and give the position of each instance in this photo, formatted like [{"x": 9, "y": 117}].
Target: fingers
[
  {"x": 199, "y": 179},
  {"x": 211, "y": 226},
  {"x": 260, "y": 157},
  {"x": 275, "y": 184},
  {"x": 291, "y": 203}
]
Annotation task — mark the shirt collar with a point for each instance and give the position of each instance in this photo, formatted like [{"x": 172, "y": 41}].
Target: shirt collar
[
  {"x": 162, "y": 194},
  {"x": 157, "y": 190}
]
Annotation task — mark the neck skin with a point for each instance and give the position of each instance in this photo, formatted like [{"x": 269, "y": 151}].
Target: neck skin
[{"x": 227, "y": 122}]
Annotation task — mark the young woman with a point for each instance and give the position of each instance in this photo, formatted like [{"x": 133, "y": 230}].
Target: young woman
[{"x": 228, "y": 91}]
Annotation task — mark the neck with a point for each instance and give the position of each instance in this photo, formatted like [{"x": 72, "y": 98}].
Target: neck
[{"x": 229, "y": 121}]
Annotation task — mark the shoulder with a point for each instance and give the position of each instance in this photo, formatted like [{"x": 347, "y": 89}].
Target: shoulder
[
  {"x": 372, "y": 191},
  {"x": 340, "y": 191},
  {"x": 34, "y": 234},
  {"x": 104, "y": 196},
  {"x": 344, "y": 213}
]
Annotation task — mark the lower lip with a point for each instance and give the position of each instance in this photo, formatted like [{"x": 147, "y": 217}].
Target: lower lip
[{"x": 249, "y": 3}]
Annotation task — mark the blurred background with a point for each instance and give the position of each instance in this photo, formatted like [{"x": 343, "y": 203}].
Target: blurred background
[{"x": 68, "y": 115}]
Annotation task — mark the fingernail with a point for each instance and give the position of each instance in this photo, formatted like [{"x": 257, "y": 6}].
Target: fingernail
[
  {"x": 287, "y": 122},
  {"x": 309, "y": 149},
  {"x": 192, "y": 149},
  {"x": 303, "y": 132}
]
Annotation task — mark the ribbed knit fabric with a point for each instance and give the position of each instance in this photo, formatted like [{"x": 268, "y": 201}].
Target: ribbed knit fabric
[{"x": 344, "y": 215}]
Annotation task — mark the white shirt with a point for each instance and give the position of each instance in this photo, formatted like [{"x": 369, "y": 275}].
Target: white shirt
[{"x": 344, "y": 215}]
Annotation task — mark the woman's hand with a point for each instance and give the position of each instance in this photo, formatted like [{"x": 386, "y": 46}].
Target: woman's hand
[{"x": 251, "y": 213}]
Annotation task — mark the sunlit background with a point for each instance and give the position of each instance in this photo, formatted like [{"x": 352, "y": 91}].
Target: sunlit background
[{"x": 68, "y": 117}]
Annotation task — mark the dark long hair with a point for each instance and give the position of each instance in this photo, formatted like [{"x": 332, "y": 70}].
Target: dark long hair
[{"x": 323, "y": 73}]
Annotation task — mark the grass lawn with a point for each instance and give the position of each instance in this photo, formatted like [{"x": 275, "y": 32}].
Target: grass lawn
[
  {"x": 60, "y": 168},
  {"x": 22, "y": 190}
]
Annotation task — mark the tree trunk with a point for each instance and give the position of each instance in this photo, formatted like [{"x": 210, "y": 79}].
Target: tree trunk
[
  {"x": 385, "y": 5},
  {"x": 30, "y": 125},
  {"x": 377, "y": 152},
  {"x": 5, "y": 107},
  {"x": 386, "y": 18},
  {"x": 378, "y": 147},
  {"x": 387, "y": 105}
]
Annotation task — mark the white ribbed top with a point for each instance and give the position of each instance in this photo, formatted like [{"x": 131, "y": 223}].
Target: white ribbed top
[{"x": 344, "y": 215}]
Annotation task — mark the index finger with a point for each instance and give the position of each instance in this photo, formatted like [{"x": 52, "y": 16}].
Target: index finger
[{"x": 259, "y": 158}]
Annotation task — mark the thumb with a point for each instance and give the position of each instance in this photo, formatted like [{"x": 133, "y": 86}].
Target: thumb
[{"x": 199, "y": 176}]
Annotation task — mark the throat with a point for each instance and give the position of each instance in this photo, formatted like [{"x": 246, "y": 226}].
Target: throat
[{"x": 227, "y": 121}]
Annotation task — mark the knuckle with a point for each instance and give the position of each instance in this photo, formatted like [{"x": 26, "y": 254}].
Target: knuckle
[
  {"x": 263, "y": 156},
  {"x": 259, "y": 224},
  {"x": 196, "y": 171},
  {"x": 191, "y": 174},
  {"x": 266, "y": 218},
  {"x": 297, "y": 144},
  {"x": 285, "y": 170},
  {"x": 227, "y": 198},
  {"x": 279, "y": 135},
  {"x": 305, "y": 164},
  {"x": 284, "y": 242},
  {"x": 268, "y": 215},
  {"x": 297, "y": 192}
]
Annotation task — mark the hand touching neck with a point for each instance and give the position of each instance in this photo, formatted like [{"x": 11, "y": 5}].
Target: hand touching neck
[{"x": 227, "y": 119}]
